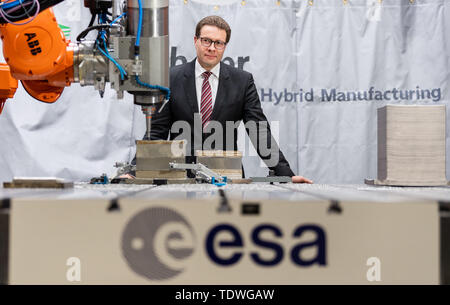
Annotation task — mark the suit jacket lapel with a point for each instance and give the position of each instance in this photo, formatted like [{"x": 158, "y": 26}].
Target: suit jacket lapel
[
  {"x": 222, "y": 91},
  {"x": 189, "y": 86}
]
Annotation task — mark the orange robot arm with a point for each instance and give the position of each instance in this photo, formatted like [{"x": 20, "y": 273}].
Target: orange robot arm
[
  {"x": 39, "y": 55},
  {"x": 8, "y": 85}
]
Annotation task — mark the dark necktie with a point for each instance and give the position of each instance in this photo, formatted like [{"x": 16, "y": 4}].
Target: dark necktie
[{"x": 206, "y": 102}]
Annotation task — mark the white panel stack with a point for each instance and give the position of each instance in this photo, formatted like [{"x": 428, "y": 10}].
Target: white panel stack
[{"x": 411, "y": 145}]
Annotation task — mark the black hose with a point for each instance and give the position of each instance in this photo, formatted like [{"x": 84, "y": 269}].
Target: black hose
[
  {"x": 94, "y": 27},
  {"x": 91, "y": 23}
]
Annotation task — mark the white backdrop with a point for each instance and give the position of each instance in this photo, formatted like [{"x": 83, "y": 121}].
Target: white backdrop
[{"x": 299, "y": 52}]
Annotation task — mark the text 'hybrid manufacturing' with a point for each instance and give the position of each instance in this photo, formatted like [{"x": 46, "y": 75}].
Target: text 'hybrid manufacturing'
[{"x": 334, "y": 95}]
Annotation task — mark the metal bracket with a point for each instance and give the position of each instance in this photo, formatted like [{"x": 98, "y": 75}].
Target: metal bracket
[
  {"x": 201, "y": 172},
  {"x": 124, "y": 168},
  {"x": 136, "y": 68},
  {"x": 99, "y": 84}
]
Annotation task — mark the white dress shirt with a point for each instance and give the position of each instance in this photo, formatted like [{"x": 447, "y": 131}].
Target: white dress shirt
[{"x": 213, "y": 81}]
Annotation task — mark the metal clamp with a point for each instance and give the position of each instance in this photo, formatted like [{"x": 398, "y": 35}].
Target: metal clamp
[
  {"x": 201, "y": 172},
  {"x": 136, "y": 68},
  {"x": 124, "y": 168}
]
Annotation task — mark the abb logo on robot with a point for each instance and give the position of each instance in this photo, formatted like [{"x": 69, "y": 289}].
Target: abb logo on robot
[{"x": 33, "y": 44}]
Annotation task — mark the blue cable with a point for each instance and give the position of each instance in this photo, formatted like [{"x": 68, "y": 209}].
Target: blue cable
[
  {"x": 118, "y": 18},
  {"x": 105, "y": 52},
  {"x": 138, "y": 38},
  {"x": 114, "y": 61},
  {"x": 101, "y": 18},
  {"x": 164, "y": 89},
  {"x": 11, "y": 4},
  {"x": 107, "y": 55}
]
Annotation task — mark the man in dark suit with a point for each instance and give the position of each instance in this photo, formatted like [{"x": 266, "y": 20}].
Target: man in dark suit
[{"x": 209, "y": 99}]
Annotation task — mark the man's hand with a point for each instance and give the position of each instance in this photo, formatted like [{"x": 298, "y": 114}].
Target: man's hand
[{"x": 300, "y": 179}]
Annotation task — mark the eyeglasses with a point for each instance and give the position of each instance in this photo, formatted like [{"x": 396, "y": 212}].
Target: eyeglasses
[{"x": 206, "y": 42}]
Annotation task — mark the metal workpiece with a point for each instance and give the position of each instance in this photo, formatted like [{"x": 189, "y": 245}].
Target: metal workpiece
[
  {"x": 90, "y": 68},
  {"x": 221, "y": 162},
  {"x": 158, "y": 163}
]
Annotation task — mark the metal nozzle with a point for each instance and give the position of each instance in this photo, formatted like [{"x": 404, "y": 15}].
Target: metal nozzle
[
  {"x": 149, "y": 104},
  {"x": 148, "y": 111}
]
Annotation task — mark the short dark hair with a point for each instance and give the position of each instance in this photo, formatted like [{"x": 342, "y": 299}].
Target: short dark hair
[{"x": 214, "y": 21}]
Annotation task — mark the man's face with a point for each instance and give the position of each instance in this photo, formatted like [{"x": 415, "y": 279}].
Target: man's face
[{"x": 209, "y": 57}]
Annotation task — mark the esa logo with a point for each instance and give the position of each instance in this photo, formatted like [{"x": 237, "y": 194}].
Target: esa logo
[
  {"x": 258, "y": 236},
  {"x": 158, "y": 243}
]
